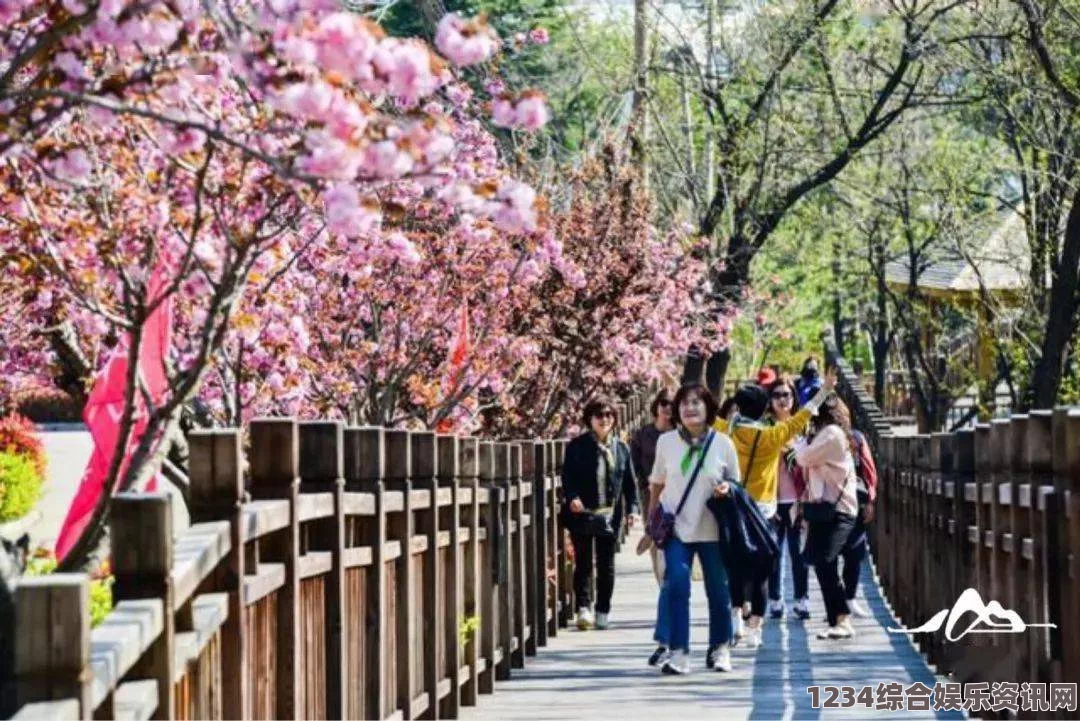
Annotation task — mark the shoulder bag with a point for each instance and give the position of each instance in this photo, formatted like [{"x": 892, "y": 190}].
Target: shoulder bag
[
  {"x": 661, "y": 524},
  {"x": 824, "y": 511}
]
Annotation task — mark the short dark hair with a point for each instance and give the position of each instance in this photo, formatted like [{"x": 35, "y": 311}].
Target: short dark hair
[
  {"x": 725, "y": 407},
  {"x": 661, "y": 398},
  {"x": 598, "y": 406},
  {"x": 752, "y": 401},
  {"x": 711, "y": 408}
]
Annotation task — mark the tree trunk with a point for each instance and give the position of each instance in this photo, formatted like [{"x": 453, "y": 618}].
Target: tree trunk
[
  {"x": 639, "y": 131},
  {"x": 716, "y": 371},
  {"x": 1061, "y": 319},
  {"x": 881, "y": 340}
]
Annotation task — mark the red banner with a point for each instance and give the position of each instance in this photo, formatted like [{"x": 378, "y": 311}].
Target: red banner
[{"x": 105, "y": 407}]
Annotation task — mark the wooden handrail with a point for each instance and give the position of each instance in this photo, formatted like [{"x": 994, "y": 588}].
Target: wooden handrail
[
  {"x": 995, "y": 508},
  {"x": 347, "y": 573}
]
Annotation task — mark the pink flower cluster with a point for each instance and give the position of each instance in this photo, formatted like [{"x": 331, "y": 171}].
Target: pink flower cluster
[
  {"x": 527, "y": 111},
  {"x": 465, "y": 41}
]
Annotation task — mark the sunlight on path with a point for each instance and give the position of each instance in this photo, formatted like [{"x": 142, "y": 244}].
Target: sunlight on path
[{"x": 603, "y": 674}]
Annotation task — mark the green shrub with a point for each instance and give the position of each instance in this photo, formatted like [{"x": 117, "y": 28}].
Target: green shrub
[
  {"x": 20, "y": 435},
  {"x": 44, "y": 562},
  {"x": 21, "y": 485}
]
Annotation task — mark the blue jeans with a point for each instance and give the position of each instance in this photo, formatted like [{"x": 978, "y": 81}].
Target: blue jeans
[{"x": 673, "y": 612}]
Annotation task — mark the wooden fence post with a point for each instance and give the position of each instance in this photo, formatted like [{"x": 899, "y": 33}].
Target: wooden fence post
[
  {"x": 1039, "y": 462},
  {"x": 489, "y": 607},
  {"x": 322, "y": 471},
  {"x": 533, "y": 459},
  {"x": 275, "y": 471},
  {"x": 52, "y": 640},
  {"x": 142, "y": 560},
  {"x": 551, "y": 539},
  {"x": 516, "y": 499},
  {"x": 400, "y": 528},
  {"x": 994, "y": 541},
  {"x": 469, "y": 452},
  {"x": 449, "y": 469},
  {"x": 365, "y": 462},
  {"x": 215, "y": 471},
  {"x": 565, "y": 567},
  {"x": 422, "y": 474},
  {"x": 1066, "y": 638},
  {"x": 503, "y": 510}
]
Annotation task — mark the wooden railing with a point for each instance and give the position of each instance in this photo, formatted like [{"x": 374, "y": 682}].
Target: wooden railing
[
  {"x": 995, "y": 508},
  {"x": 330, "y": 572}
]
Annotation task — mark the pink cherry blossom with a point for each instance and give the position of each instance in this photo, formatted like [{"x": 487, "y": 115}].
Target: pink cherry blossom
[
  {"x": 74, "y": 166},
  {"x": 348, "y": 214},
  {"x": 539, "y": 36},
  {"x": 465, "y": 42},
  {"x": 407, "y": 67},
  {"x": 531, "y": 112},
  {"x": 503, "y": 112}
]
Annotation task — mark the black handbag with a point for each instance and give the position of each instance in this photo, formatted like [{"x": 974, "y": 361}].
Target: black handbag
[{"x": 823, "y": 511}]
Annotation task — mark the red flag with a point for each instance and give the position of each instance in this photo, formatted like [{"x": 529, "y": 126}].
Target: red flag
[
  {"x": 459, "y": 349},
  {"x": 105, "y": 408},
  {"x": 459, "y": 354}
]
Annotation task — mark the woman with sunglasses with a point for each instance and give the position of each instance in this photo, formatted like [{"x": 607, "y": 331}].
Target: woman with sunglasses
[
  {"x": 783, "y": 404},
  {"x": 597, "y": 478}
]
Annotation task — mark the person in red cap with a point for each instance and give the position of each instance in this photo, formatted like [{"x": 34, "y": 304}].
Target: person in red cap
[{"x": 766, "y": 377}]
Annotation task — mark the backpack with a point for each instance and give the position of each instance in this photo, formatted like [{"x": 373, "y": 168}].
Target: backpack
[{"x": 865, "y": 469}]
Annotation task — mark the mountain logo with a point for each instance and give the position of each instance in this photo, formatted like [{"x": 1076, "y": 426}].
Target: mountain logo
[{"x": 989, "y": 618}]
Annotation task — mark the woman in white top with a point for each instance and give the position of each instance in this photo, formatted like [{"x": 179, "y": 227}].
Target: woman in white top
[
  {"x": 830, "y": 467},
  {"x": 696, "y": 532}
]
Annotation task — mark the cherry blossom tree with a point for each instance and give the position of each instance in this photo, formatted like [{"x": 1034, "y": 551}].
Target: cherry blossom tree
[{"x": 209, "y": 148}]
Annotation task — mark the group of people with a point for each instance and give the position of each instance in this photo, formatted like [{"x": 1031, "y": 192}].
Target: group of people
[{"x": 783, "y": 446}]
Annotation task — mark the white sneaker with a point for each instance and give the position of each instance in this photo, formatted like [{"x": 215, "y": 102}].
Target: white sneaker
[
  {"x": 776, "y": 609},
  {"x": 584, "y": 619},
  {"x": 858, "y": 608},
  {"x": 723, "y": 658},
  {"x": 677, "y": 664},
  {"x": 753, "y": 635},
  {"x": 802, "y": 608},
  {"x": 601, "y": 621},
  {"x": 737, "y": 629},
  {"x": 840, "y": 630}
]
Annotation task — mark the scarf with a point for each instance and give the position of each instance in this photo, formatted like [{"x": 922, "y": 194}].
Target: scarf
[
  {"x": 606, "y": 466},
  {"x": 694, "y": 446}
]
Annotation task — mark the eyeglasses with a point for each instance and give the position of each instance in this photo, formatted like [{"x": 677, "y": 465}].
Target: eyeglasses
[
  {"x": 780, "y": 396},
  {"x": 605, "y": 414}
]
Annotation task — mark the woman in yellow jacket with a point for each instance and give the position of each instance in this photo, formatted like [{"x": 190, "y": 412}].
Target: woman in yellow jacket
[{"x": 759, "y": 447}]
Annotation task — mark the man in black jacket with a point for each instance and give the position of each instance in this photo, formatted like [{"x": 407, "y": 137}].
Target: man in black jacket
[{"x": 598, "y": 481}]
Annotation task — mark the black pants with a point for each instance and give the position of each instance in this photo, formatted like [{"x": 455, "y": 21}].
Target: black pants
[
  {"x": 824, "y": 545},
  {"x": 749, "y": 584},
  {"x": 604, "y": 559},
  {"x": 799, "y": 570},
  {"x": 853, "y": 554}
]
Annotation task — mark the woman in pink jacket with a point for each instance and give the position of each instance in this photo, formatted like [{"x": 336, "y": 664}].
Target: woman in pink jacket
[{"x": 830, "y": 480}]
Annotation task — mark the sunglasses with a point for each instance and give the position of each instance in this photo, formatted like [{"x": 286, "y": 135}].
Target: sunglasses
[
  {"x": 780, "y": 396},
  {"x": 605, "y": 414}
]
